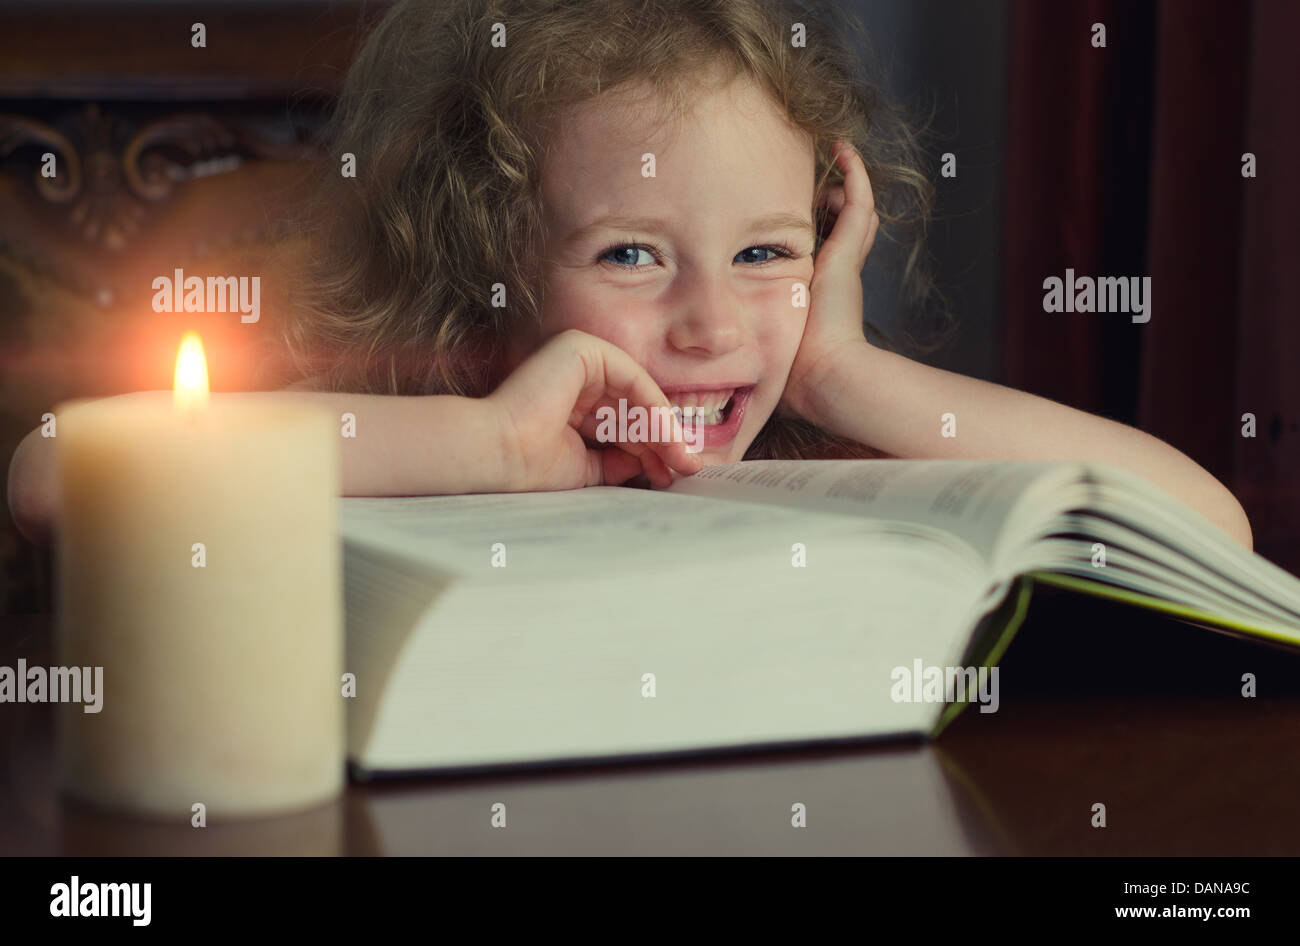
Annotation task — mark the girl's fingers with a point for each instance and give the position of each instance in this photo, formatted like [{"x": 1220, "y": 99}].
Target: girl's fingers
[
  {"x": 611, "y": 467},
  {"x": 834, "y": 201},
  {"x": 597, "y": 431},
  {"x": 576, "y": 374},
  {"x": 871, "y": 235},
  {"x": 854, "y": 206},
  {"x": 589, "y": 425},
  {"x": 657, "y": 470},
  {"x": 660, "y": 450},
  {"x": 610, "y": 372},
  {"x": 857, "y": 183}
]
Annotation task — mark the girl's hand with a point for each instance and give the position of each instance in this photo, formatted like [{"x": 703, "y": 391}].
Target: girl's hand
[
  {"x": 546, "y": 407},
  {"x": 834, "y": 326}
]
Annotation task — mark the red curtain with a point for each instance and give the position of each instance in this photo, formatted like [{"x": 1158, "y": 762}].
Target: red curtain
[{"x": 1127, "y": 161}]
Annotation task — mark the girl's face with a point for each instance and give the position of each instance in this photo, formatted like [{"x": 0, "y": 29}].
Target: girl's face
[{"x": 683, "y": 246}]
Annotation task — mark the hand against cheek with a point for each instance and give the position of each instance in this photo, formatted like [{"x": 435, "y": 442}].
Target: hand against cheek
[
  {"x": 834, "y": 325},
  {"x": 546, "y": 413}
]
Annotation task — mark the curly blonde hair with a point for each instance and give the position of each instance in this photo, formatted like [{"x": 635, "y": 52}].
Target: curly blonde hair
[{"x": 447, "y": 130}]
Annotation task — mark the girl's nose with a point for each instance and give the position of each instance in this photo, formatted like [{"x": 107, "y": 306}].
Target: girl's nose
[{"x": 709, "y": 318}]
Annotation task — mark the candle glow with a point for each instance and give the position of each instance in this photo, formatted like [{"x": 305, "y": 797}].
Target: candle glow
[{"x": 190, "y": 387}]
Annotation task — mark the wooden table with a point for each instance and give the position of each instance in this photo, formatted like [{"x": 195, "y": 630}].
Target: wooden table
[{"x": 1099, "y": 703}]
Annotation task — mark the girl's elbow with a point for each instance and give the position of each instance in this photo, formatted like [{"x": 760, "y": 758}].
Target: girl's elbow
[
  {"x": 32, "y": 489},
  {"x": 1227, "y": 513},
  {"x": 1240, "y": 523}
]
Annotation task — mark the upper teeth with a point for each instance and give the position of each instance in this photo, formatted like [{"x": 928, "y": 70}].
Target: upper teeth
[
  {"x": 701, "y": 407},
  {"x": 699, "y": 415}
]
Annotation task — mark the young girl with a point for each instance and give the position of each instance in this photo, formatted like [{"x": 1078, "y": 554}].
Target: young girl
[{"x": 557, "y": 205}]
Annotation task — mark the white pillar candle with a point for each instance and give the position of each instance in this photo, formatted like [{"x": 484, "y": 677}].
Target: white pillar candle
[{"x": 198, "y": 563}]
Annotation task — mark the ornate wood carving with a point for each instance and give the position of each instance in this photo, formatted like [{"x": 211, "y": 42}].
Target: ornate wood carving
[{"x": 109, "y": 170}]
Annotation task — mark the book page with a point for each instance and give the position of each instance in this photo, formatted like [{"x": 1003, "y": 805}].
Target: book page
[
  {"x": 570, "y": 532},
  {"x": 743, "y": 650},
  {"x": 972, "y": 499}
]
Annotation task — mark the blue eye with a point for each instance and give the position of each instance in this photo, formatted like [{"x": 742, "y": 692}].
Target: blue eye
[
  {"x": 635, "y": 256},
  {"x": 627, "y": 254},
  {"x": 777, "y": 252}
]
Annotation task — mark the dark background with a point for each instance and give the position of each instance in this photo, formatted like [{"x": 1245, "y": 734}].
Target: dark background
[{"x": 1122, "y": 161}]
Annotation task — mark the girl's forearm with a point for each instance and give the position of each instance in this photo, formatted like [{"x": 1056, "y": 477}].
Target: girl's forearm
[
  {"x": 412, "y": 445},
  {"x": 402, "y": 446},
  {"x": 897, "y": 405}
]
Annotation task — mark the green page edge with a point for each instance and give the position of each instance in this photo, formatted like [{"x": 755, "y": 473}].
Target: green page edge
[
  {"x": 1097, "y": 589},
  {"x": 990, "y": 641},
  {"x": 995, "y": 632}
]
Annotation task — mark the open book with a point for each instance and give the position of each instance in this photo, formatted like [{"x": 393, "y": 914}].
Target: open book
[{"x": 759, "y": 603}]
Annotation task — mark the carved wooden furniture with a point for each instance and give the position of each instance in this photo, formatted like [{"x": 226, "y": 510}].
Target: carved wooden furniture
[{"x": 126, "y": 152}]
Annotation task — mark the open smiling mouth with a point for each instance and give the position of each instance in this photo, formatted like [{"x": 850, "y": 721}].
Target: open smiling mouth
[
  {"x": 705, "y": 408},
  {"x": 717, "y": 415}
]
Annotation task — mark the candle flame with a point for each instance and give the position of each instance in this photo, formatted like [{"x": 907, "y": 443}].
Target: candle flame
[{"x": 191, "y": 386}]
